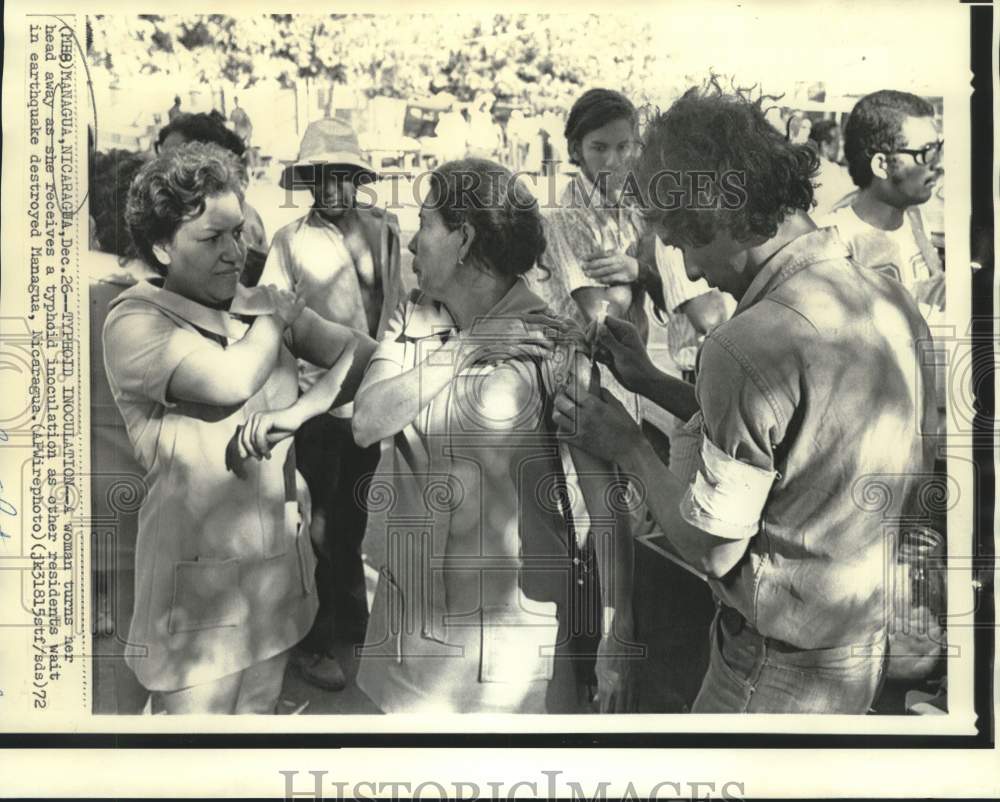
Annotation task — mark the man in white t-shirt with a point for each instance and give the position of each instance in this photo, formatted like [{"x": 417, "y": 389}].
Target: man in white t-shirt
[
  {"x": 893, "y": 153},
  {"x": 904, "y": 254}
]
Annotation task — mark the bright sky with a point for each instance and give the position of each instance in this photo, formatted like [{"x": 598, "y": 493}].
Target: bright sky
[{"x": 854, "y": 46}]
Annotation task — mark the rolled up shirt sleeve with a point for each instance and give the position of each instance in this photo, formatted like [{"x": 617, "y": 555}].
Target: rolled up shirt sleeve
[
  {"x": 742, "y": 423},
  {"x": 392, "y": 346}
]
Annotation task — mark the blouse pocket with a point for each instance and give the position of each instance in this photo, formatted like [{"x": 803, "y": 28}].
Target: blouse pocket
[
  {"x": 206, "y": 595},
  {"x": 519, "y": 642}
]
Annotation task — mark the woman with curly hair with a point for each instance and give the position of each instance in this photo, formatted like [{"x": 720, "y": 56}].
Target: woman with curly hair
[
  {"x": 472, "y": 517},
  {"x": 210, "y": 129},
  {"x": 811, "y": 389},
  {"x": 203, "y": 372}
]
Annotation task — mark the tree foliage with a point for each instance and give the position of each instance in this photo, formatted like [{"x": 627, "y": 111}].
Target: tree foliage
[{"x": 542, "y": 61}]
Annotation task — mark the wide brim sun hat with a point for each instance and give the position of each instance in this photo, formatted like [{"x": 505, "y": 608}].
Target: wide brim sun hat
[{"x": 327, "y": 142}]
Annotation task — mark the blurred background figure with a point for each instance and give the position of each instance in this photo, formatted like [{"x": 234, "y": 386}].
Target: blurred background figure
[
  {"x": 452, "y": 133},
  {"x": 241, "y": 122},
  {"x": 174, "y": 110},
  {"x": 243, "y": 128},
  {"x": 485, "y": 138},
  {"x": 537, "y": 150},
  {"x": 832, "y": 182},
  {"x": 797, "y": 128},
  {"x": 519, "y": 135}
]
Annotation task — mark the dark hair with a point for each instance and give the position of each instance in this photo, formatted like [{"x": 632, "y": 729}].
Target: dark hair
[
  {"x": 510, "y": 236},
  {"x": 876, "y": 126},
  {"x": 824, "y": 132},
  {"x": 173, "y": 188},
  {"x": 594, "y": 109},
  {"x": 755, "y": 176},
  {"x": 203, "y": 127},
  {"x": 110, "y": 178}
]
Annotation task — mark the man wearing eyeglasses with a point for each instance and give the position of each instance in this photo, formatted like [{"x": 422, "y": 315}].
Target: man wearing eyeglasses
[{"x": 894, "y": 154}]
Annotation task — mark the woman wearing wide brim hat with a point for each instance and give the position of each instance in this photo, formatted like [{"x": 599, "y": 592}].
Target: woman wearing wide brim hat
[{"x": 327, "y": 142}]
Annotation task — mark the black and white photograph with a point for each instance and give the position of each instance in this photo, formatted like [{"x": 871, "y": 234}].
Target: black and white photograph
[
  {"x": 471, "y": 370},
  {"x": 506, "y": 277}
]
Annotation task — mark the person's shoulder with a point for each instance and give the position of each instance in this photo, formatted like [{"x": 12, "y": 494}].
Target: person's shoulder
[
  {"x": 501, "y": 397},
  {"x": 132, "y": 313},
  {"x": 378, "y": 214},
  {"x": 762, "y": 335},
  {"x": 732, "y": 368},
  {"x": 288, "y": 232},
  {"x": 842, "y": 217}
]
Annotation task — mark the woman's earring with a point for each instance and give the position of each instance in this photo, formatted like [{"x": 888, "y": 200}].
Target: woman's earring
[{"x": 161, "y": 254}]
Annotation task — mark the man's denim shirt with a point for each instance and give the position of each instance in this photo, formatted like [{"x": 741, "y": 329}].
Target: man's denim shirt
[{"x": 814, "y": 404}]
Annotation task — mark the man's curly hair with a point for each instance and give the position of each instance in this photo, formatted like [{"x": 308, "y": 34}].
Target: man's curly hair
[
  {"x": 173, "y": 188},
  {"x": 731, "y": 169},
  {"x": 876, "y": 126}
]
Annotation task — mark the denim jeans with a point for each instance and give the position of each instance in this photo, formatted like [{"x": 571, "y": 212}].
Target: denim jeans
[{"x": 748, "y": 673}]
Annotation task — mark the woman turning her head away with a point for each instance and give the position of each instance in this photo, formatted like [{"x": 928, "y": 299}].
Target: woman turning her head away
[
  {"x": 477, "y": 538},
  {"x": 203, "y": 371}
]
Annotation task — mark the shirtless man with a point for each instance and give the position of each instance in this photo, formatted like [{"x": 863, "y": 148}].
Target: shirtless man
[{"x": 343, "y": 260}]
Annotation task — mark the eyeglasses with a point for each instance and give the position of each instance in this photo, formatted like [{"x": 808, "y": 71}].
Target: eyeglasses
[{"x": 926, "y": 154}]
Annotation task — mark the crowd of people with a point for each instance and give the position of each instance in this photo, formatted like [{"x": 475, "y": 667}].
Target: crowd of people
[{"x": 648, "y": 359}]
